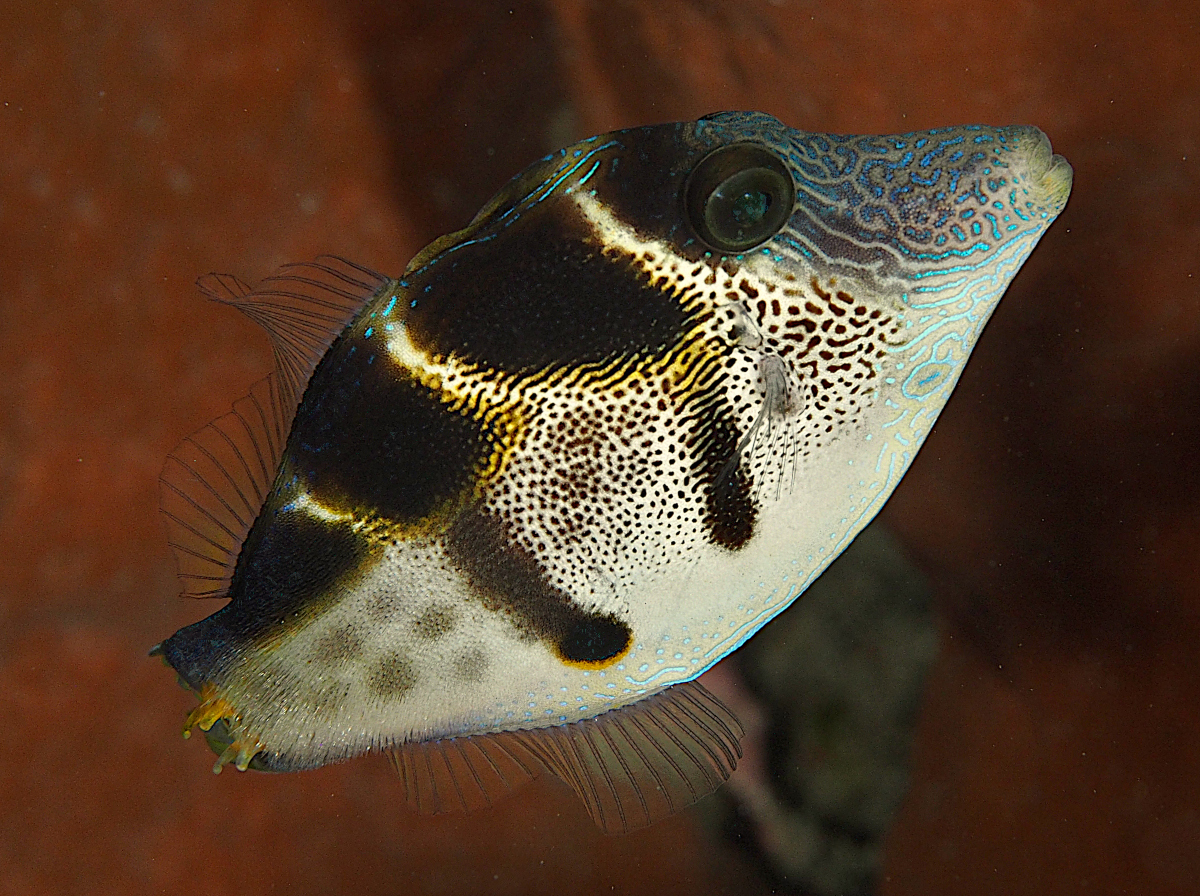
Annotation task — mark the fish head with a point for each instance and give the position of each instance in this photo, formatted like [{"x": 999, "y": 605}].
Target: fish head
[{"x": 586, "y": 446}]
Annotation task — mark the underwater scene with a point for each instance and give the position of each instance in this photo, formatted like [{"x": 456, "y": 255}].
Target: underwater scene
[{"x": 637, "y": 447}]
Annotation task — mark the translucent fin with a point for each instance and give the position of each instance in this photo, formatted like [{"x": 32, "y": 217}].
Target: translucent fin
[
  {"x": 304, "y": 307},
  {"x": 631, "y": 766},
  {"x": 461, "y": 774},
  {"x": 214, "y": 483},
  {"x": 635, "y": 765}
]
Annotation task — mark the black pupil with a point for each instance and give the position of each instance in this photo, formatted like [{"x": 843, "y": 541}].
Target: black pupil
[
  {"x": 751, "y": 207},
  {"x": 738, "y": 210}
]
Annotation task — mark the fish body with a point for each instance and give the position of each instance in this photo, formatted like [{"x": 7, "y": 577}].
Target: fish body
[{"x": 496, "y": 515}]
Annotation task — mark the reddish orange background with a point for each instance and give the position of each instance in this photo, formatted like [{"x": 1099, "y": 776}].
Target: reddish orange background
[{"x": 1056, "y": 507}]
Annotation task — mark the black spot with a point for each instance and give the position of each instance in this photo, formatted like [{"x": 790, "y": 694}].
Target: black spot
[
  {"x": 508, "y": 579},
  {"x": 392, "y": 677},
  {"x": 435, "y": 622},
  {"x": 595, "y": 639},
  {"x": 338, "y": 647},
  {"x": 471, "y": 666},
  {"x": 729, "y": 508},
  {"x": 540, "y": 293},
  {"x": 366, "y": 436}
]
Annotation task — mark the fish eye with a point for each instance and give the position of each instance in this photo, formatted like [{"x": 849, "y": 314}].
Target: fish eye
[{"x": 738, "y": 197}]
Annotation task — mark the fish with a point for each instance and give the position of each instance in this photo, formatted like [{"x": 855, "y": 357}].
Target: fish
[{"x": 494, "y": 517}]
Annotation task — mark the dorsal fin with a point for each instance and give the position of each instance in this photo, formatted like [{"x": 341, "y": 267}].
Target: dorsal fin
[
  {"x": 631, "y": 766},
  {"x": 213, "y": 486},
  {"x": 215, "y": 482},
  {"x": 303, "y": 308}
]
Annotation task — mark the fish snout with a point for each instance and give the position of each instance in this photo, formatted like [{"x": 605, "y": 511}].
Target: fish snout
[{"x": 1049, "y": 176}]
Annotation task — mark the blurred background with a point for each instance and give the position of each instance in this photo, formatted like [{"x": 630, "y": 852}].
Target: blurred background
[{"x": 1053, "y": 518}]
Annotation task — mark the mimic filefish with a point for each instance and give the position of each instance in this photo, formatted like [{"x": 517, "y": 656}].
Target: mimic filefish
[{"x": 494, "y": 517}]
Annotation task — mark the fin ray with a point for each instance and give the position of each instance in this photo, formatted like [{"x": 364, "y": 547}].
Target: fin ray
[
  {"x": 213, "y": 485},
  {"x": 462, "y": 774},
  {"x": 304, "y": 308},
  {"x": 635, "y": 765},
  {"x": 630, "y": 766}
]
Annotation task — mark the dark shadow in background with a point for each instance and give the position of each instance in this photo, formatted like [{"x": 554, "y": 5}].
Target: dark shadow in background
[
  {"x": 468, "y": 93},
  {"x": 1090, "y": 441}
]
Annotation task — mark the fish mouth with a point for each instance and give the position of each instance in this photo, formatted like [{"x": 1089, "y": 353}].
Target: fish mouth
[{"x": 1048, "y": 173}]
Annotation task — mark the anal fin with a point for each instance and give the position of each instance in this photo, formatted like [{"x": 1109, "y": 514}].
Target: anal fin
[
  {"x": 462, "y": 774},
  {"x": 638, "y": 764},
  {"x": 631, "y": 766}
]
